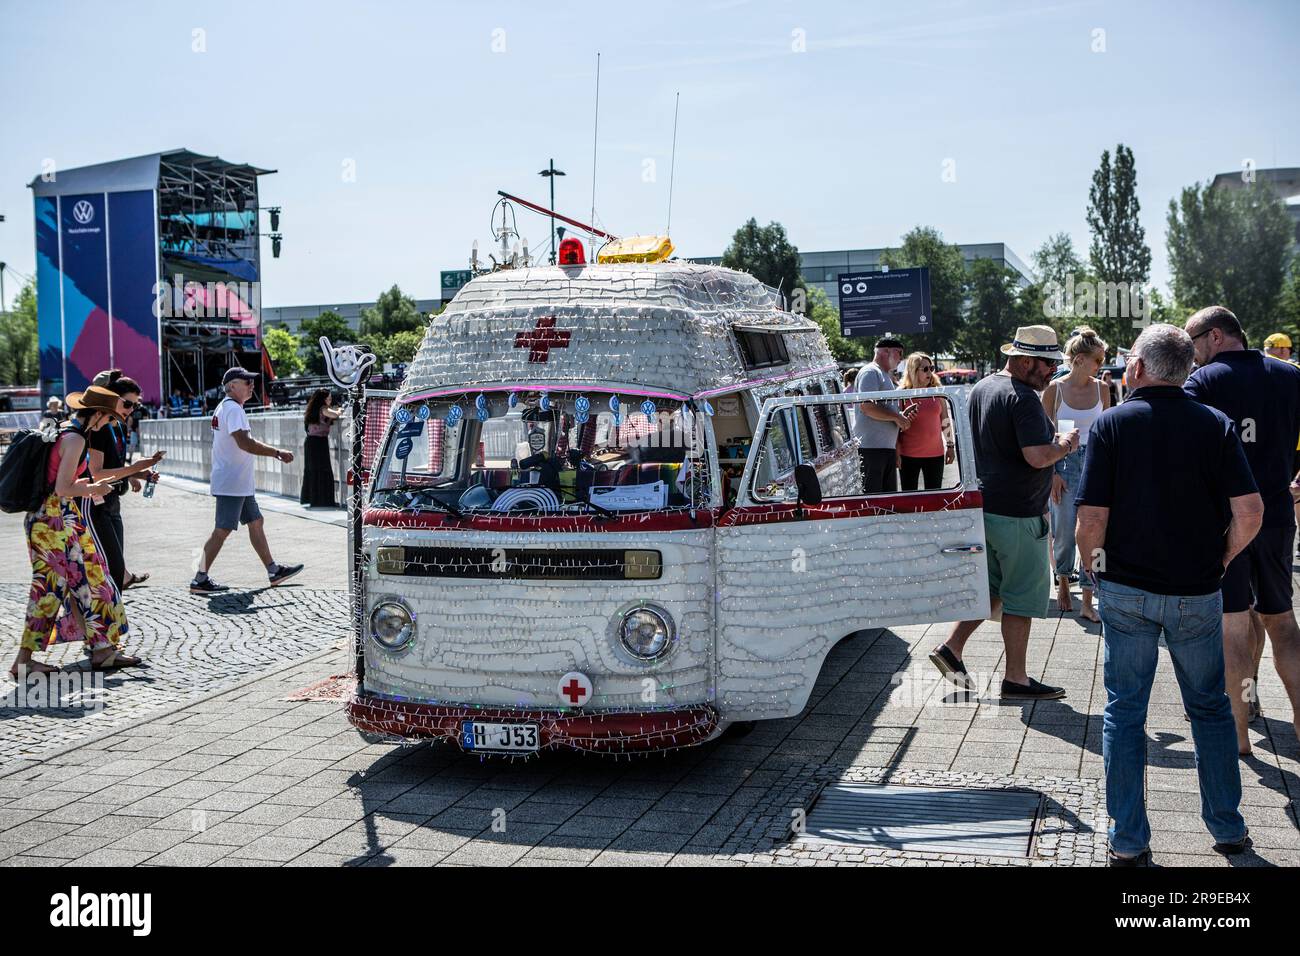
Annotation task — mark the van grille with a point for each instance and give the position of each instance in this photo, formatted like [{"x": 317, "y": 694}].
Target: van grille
[{"x": 586, "y": 564}]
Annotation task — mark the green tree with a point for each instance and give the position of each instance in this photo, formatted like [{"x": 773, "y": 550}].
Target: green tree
[
  {"x": 283, "y": 349},
  {"x": 400, "y": 347},
  {"x": 329, "y": 324},
  {"x": 827, "y": 316},
  {"x": 996, "y": 307},
  {"x": 1119, "y": 252},
  {"x": 1288, "y": 306},
  {"x": 766, "y": 254},
  {"x": 394, "y": 312},
  {"x": 1056, "y": 260},
  {"x": 924, "y": 246},
  {"x": 1232, "y": 247},
  {"x": 19, "y": 359}
]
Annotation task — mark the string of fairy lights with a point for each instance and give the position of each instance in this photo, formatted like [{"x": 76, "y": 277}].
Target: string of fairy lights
[{"x": 756, "y": 601}]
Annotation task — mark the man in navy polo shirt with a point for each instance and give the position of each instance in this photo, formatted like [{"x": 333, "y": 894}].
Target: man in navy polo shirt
[
  {"x": 1162, "y": 479},
  {"x": 1262, "y": 397}
]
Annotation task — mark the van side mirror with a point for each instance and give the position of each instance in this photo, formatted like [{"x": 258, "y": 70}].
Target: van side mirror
[{"x": 809, "y": 488}]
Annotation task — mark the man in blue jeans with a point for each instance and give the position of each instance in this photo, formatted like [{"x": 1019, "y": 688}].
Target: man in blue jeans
[{"x": 1163, "y": 477}]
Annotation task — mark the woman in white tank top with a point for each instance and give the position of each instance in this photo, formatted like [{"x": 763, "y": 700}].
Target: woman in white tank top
[{"x": 1074, "y": 402}]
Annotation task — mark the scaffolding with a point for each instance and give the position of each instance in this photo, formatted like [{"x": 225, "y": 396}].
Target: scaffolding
[{"x": 208, "y": 234}]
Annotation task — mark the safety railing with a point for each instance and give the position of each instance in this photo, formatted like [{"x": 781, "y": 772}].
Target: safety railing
[{"x": 188, "y": 444}]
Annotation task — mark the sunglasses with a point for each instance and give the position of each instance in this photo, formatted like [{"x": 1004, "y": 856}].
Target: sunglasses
[
  {"x": 927, "y": 368},
  {"x": 1203, "y": 332},
  {"x": 128, "y": 403}
]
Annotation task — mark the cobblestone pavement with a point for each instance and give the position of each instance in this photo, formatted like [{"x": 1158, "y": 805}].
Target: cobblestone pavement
[
  {"x": 201, "y": 760},
  {"x": 246, "y": 777},
  {"x": 194, "y": 645}
]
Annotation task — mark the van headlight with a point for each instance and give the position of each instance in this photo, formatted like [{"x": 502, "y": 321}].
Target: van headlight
[
  {"x": 392, "y": 625},
  {"x": 646, "y": 632}
]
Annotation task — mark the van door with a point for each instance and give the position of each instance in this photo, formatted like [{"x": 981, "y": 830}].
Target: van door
[{"x": 795, "y": 577}]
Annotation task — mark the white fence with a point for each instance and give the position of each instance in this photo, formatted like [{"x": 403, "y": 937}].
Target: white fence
[{"x": 188, "y": 444}]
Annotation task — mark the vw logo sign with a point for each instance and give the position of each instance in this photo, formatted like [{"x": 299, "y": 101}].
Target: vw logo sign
[{"x": 83, "y": 211}]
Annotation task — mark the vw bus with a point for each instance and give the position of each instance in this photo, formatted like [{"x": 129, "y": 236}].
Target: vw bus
[{"x": 617, "y": 506}]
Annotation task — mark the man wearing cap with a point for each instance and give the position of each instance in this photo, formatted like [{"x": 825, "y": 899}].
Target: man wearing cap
[
  {"x": 1015, "y": 449},
  {"x": 233, "y": 484},
  {"x": 877, "y": 424},
  {"x": 1262, "y": 398},
  {"x": 1278, "y": 346}
]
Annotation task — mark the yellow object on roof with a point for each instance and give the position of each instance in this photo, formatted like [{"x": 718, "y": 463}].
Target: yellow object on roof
[{"x": 637, "y": 249}]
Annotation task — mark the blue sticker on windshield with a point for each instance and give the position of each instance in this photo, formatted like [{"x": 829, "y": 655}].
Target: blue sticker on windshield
[
  {"x": 410, "y": 428},
  {"x": 404, "y": 448}
]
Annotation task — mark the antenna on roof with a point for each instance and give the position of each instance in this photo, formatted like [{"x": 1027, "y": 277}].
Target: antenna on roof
[
  {"x": 595, "y": 130},
  {"x": 672, "y": 168}
]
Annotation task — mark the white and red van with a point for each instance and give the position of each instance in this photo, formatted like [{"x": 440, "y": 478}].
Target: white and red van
[{"x": 617, "y": 506}]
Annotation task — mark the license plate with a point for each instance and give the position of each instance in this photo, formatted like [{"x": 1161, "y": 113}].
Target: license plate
[{"x": 477, "y": 735}]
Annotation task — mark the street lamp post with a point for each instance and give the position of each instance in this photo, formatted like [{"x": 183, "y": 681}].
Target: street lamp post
[{"x": 550, "y": 173}]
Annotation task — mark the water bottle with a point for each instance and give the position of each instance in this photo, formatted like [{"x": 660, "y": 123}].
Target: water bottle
[{"x": 149, "y": 485}]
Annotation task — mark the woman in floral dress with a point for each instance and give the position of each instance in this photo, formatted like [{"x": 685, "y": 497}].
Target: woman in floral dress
[{"x": 72, "y": 596}]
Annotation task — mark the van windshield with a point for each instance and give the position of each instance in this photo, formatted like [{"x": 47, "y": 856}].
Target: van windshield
[{"x": 551, "y": 453}]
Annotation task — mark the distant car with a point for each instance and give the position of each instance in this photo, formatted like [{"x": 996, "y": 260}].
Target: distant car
[{"x": 958, "y": 376}]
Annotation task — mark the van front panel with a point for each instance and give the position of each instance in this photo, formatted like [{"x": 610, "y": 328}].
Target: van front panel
[{"x": 501, "y": 617}]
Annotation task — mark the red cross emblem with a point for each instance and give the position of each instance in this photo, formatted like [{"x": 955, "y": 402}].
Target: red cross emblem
[
  {"x": 575, "y": 688},
  {"x": 542, "y": 339}
]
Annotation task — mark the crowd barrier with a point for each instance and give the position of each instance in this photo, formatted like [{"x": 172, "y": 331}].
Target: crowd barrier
[{"x": 188, "y": 444}]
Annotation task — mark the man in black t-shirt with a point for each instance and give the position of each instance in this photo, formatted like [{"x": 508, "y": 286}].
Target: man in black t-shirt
[
  {"x": 1159, "y": 549},
  {"x": 1015, "y": 449},
  {"x": 1262, "y": 398}
]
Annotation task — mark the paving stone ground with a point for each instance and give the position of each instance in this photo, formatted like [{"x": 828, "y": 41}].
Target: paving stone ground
[{"x": 244, "y": 777}]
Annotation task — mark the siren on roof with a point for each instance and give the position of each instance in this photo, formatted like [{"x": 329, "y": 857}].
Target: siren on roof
[
  {"x": 571, "y": 253},
  {"x": 637, "y": 249}
]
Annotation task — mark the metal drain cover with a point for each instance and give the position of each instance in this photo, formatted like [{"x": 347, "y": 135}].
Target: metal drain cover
[{"x": 935, "y": 819}]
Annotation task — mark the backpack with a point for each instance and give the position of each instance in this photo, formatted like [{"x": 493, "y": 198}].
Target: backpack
[{"x": 22, "y": 471}]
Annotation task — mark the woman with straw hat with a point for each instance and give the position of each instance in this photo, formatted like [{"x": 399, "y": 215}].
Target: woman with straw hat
[{"x": 72, "y": 597}]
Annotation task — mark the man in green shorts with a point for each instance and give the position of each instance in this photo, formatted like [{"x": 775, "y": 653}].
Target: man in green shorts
[{"x": 1015, "y": 449}]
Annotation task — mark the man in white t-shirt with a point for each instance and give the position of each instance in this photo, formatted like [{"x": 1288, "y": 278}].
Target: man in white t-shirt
[{"x": 233, "y": 483}]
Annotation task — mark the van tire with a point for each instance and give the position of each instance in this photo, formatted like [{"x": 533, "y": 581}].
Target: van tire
[{"x": 741, "y": 728}]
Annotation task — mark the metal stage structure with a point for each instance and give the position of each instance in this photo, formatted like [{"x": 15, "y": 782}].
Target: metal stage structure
[{"x": 152, "y": 265}]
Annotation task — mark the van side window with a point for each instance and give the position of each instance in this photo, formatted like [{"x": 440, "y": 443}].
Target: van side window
[
  {"x": 762, "y": 349},
  {"x": 840, "y": 469},
  {"x": 832, "y": 431}
]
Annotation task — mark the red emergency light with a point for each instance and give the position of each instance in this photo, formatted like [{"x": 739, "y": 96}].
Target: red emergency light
[{"x": 571, "y": 253}]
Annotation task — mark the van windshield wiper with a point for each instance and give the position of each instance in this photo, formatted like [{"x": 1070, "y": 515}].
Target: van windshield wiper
[
  {"x": 421, "y": 492},
  {"x": 590, "y": 504}
]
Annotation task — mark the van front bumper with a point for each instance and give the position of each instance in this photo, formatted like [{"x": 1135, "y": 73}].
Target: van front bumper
[{"x": 613, "y": 732}]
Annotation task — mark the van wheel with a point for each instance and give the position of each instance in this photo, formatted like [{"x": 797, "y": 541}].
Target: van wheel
[{"x": 741, "y": 728}]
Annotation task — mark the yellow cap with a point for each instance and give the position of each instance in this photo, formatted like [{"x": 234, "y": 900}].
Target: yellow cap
[{"x": 1278, "y": 340}]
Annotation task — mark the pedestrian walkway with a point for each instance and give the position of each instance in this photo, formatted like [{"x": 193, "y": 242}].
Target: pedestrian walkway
[
  {"x": 204, "y": 759},
  {"x": 247, "y": 777}
]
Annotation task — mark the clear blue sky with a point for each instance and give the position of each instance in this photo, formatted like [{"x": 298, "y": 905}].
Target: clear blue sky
[{"x": 843, "y": 143}]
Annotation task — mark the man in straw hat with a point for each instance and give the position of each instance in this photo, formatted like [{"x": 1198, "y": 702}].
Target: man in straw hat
[{"x": 1015, "y": 449}]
